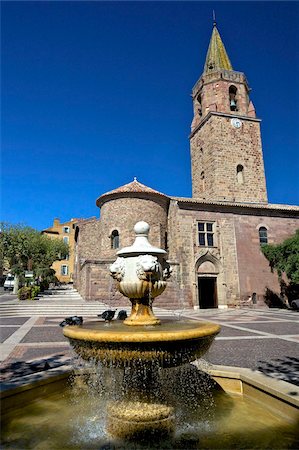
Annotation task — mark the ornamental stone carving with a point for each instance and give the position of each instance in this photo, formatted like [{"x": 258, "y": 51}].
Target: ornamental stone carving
[
  {"x": 117, "y": 269},
  {"x": 141, "y": 271},
  {"x": 148, "y": 268}
]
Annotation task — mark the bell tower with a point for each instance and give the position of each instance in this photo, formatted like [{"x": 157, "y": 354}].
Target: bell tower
[{"x": 226, "y": 150}]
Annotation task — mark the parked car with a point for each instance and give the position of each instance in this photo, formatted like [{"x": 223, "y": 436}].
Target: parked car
[
  {"x": 295, "y": 304},
  {"x": 9, "y": 282}
]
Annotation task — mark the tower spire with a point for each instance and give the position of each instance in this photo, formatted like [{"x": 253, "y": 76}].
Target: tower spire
[{"x": 217, "y": 57}]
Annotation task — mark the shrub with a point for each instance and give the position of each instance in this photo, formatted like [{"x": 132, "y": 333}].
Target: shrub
[
  {"x": 34, "y": 291},
  {"x": 28, "y": 292},
  {"x": 24, "y": 293}
]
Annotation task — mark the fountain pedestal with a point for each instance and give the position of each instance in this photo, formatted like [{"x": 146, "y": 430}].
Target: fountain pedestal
[
  {"x": 136, "y": 420},
  {"x": 141, "y": 345}
]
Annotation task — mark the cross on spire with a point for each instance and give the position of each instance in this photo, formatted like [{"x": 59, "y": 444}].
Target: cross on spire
[{"x": 214, "y": 18}]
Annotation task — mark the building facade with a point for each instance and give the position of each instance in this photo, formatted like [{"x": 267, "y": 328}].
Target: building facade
[
  {"x": 64, "y": 268},
  {"x": 213, "y": 239}
]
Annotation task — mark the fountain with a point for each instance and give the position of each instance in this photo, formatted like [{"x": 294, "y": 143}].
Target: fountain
[
  {"x": 140, "y": 390},
  {"x": 141, "y": 345}
]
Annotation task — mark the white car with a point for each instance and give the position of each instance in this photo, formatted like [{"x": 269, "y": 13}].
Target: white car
[{"x": 9, "y": 282}]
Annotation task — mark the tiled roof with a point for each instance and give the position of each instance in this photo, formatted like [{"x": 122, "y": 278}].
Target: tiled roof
[
  {"x": 134, "y": 186},
  {"x": 267, "y": 206}
]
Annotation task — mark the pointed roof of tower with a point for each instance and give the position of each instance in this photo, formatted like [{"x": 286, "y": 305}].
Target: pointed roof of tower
[{"x": 217, "y": 57}]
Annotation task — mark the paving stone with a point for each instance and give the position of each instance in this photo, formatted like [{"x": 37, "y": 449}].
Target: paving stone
[
  {"x": 279, "y": 328},
  {"x": 46, "y": 334},
  {"x": 43, "y": 352},
  {"x": 13, "y": 320},
  {"x": 5, "y": 332},
  {"x": 248, "y": 353},
  {"x": 229, "y": 332}
]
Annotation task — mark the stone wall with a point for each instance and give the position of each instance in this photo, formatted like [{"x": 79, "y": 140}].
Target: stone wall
[
  {"x": 217, "y": 149},
  {"x": 235, "y": 259},
  {"x": 122, "y": 214},
  {"x": 239, "y": 264},
  {"x": 253, "y": 267},
  {"x": 185, "y": 250}
]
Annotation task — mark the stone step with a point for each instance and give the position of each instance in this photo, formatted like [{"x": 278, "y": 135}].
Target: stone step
[{"x": 64, "y": 312}]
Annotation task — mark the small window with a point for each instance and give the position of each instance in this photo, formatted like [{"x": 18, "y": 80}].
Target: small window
[
  {"x": 66, "y": 229},
  {"x": 66, "y": 240},
  {"x": 166, "y": 240},
  {"x": 202, "y": 180},
  {"x": 64, "y": 270},
  {"x": 263, "y": 235},
  {"x": 206, "y": 234},
  {"x": 115, "y": 239},
  {"x": 77, "y": 234},
  {"x": 240, "y": 174}
]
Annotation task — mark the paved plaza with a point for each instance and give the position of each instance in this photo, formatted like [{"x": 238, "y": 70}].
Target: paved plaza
[{"x": 31, "y": 339}]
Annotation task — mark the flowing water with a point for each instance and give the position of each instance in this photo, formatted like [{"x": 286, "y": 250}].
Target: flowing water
[{"x": 206, "y": 416}]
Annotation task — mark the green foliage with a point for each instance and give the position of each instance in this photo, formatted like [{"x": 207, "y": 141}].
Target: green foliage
[
  {"x": 28, "y": 292},
  {"x": 24, "y": 293},
  {"x": 284, "y": 257},
  {"x": 23, "y": 247},
  {"x": 35, "y": 290}
]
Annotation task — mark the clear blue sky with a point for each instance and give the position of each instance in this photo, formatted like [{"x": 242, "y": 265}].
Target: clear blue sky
[{"x": 95, "y": 93}]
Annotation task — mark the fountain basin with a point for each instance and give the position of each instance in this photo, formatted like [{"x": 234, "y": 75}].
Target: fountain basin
[
  {"x": 170, "y": 344},
  {"x": 268, "y": 417}
]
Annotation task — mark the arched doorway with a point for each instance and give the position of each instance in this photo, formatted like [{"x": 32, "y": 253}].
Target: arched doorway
[{"x": 207, "y": 285}]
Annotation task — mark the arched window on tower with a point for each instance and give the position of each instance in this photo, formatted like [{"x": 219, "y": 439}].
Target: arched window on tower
[
  {"x": 240, "y": 174},
  {"x": 202, "y": 180},
  {"x": 232, "y": 98},
  {"x": 115, "y": 239},
  {"x": 263, "y": 235}
]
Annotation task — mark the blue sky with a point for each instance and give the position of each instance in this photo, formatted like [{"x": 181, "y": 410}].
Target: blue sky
[{"x": 95, "y": 93}]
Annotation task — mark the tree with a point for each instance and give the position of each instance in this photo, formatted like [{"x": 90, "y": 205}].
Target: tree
[
  {"x": 284, "y": 258},
  {"x": 24, "y": 248}
]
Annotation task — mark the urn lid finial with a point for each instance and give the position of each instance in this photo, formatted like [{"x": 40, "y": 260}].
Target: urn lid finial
[{"x": 141, "y": 245}]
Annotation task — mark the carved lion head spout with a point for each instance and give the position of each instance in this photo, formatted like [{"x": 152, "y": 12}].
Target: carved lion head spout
[
  {"x": 117, "y": 269},
  {"x": 147, "y": 266}
]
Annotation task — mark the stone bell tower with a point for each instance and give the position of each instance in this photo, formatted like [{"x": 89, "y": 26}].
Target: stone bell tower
[{"x": 226, "y": 150}]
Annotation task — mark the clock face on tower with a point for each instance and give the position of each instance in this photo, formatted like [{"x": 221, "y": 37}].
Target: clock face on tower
[{"x": 236, "y": 123}]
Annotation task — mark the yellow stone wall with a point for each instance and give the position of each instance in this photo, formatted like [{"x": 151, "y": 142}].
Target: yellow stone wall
[{"x": 58, "y": 231}]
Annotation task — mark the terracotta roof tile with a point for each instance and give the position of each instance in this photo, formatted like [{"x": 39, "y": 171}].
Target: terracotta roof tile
[{"x": 134, "y": 186}]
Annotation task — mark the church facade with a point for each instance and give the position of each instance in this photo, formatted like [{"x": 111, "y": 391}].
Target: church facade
[{"x": 213, "y": 239}]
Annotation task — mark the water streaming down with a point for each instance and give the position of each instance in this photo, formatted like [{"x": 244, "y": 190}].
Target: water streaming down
[
  {"x": 142, "y": 347},
  {"x": 140, "y": 387},
  {"x": 206, "y": 418}
]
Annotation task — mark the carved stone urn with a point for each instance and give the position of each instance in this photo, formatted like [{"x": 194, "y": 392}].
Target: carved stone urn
[{"x": 141, "y": 271}]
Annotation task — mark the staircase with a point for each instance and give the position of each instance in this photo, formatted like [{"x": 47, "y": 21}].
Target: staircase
[{"x": 63, "y": 301}]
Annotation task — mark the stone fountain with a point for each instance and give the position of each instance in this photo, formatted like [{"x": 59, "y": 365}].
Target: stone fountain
[{"x": 142, "y": 345}]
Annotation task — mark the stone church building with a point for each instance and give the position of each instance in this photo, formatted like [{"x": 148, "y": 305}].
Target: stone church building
[{"x": 213, "y": 239}]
